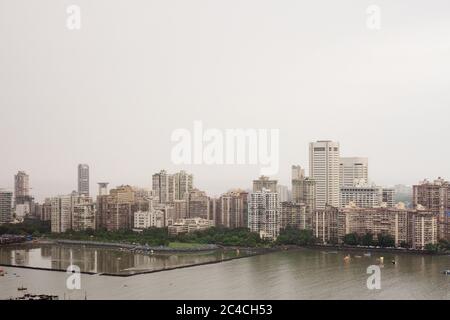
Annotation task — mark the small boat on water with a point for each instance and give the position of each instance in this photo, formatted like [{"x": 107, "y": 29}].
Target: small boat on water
[
  {"x": 358, "y": 256},
  {"x": 368, "y": 254},
  {"x": 21, "y": 288},
  {"x": 447, "y": 272}
]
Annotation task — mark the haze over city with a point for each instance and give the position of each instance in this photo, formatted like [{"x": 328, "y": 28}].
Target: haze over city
[{"x": 111, "y": 93}]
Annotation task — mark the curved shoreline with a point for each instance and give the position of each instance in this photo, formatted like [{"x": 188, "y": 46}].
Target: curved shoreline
[
  {"x": 256, "y": 253},
  {"x": 144, "y": 250}
]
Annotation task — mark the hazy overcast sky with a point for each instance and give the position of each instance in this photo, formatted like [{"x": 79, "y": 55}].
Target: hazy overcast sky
[{"x": 111, "y": 94}]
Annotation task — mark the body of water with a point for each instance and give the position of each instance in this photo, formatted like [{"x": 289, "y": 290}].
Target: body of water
[{"x": 293, "y": 274}]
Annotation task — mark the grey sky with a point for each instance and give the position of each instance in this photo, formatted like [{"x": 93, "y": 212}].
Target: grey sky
[{"x": 111, "y": 93}]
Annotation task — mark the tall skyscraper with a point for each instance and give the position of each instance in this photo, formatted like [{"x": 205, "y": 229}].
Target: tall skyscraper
[
  {"x": 21, "y": 187},
  {"x": 214, "y": 211},
  {"x": 83, "y": 213},
  {"x": 264, "y": 183},
  {"x": 61, "y": 217},
  {"x": 179, "y": 210},
  {"x": 233, "y": 209},
  {"x": 72, "y": 212},
  {"x": 5, "y": 206},
  {"x": 264, "y": 214},
  {"x": 170, "y": 187},
  {"x": 298, "y": 173},
  {"x": 116, "y": 210},
  {"x": 198, "y": 205},
  {"x": 184, "y": 183},
  {"x": 163, "y": 185},
  {"x": 23, "y": 202},
  {"x": 83, "y": 179},
  {"x": 304, "y": 191},
  {"x": 353, "y": 170},
  {"x": 324, "y": 169}
]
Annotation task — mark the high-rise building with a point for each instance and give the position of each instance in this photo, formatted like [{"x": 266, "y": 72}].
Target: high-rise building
[
  {"x": 163, "y": 185},
  {"x": 298, "y": 173},
  {"x": 324, "y": 169},
  {"x": 179, "y": 210},
  {"x": 115, "y": 211},
  {"x": 264, "y": 214},
  {"x": 294, "y": 215},
  {"x": 366, "y": 196},
  {"x": 70, "y": 212},
  {"x": 198, "y": 205},
  {"x": 416, "y": 228},
  {"x": 353, "y": 170},
  {"x": 264, "y": 183},
  {"x": 325, "y": 225},
  {"x": 61, "y": 217},
  {"x": 388, "y": 196},
  {"x": 435, "y": 196},
  {"x": 83, "y": 179},
  {"x": 388, "y": 221},
  {"x": 214, "y": 211},
  {"x": 22, "y": 189},
  {"x": 5, "y": 206},
  {"x": 83, "y": 213},
  {"x": 422, "y": 228},
  {"x": 46, "y": 210},
  {"x": 234, "y": 209},
  {"x": 21, "y": 185},
  {"x": 304, "y": 191},
  {"x": 184, "y": 183}
]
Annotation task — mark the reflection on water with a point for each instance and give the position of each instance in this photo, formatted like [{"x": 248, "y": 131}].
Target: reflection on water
[
  {"x": 103, "y": 260},
  {"x": 296, "y": 274}
]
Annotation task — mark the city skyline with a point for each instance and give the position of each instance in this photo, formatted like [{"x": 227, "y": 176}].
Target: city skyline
[
  {"x": 286, "y": 181},
  {"x": 254, "y": 151},
  {"x": 312, "y": 74},
  {"x": 40, "y": 196}
]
